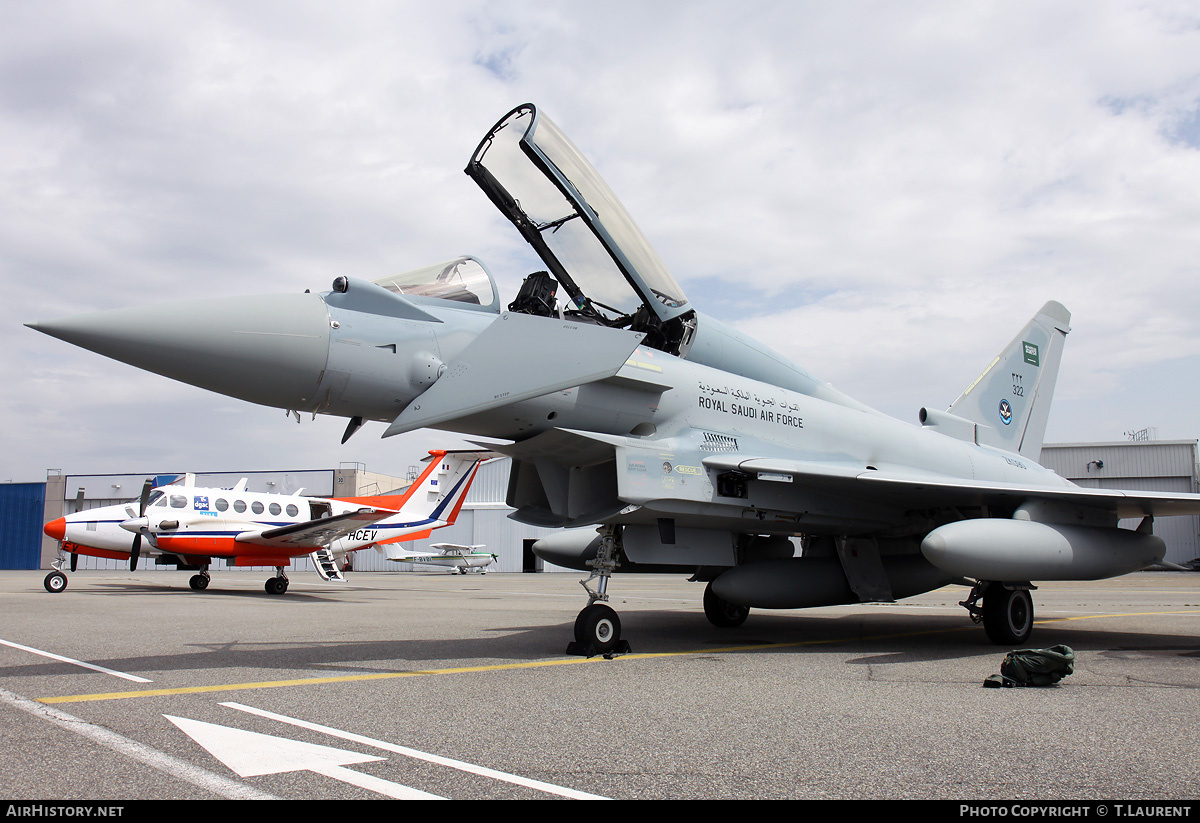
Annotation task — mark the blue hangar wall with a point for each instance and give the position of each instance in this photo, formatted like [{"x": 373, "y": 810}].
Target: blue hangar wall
[{"x": 21, "y": 507}]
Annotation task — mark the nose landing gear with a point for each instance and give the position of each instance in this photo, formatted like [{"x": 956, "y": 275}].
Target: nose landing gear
[{"x": 598, "y": 628}]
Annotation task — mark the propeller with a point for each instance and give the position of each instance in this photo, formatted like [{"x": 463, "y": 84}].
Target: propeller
[
  {"x": 78, "y": 508},
  {"x": 136, "y": 549}
]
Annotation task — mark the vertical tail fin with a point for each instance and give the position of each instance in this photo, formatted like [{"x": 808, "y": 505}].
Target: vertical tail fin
[
  {"x": 441, "y": 489},
  {"x": 1010, "y": 401},
  {"x": 439, "y": 492}
]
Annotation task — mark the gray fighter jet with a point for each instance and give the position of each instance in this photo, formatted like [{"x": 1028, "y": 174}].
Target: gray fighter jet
[{"x": 691, "y": 447}]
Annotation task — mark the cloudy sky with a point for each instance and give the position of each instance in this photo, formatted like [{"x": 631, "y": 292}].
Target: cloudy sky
[{"x": 885, "y": 192}]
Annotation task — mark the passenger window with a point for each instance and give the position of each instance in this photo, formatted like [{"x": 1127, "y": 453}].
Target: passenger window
[
  {"x": 292, "y": 510},
  {"x": 178, "y": 501},
  {"x": 256, "y": 507},
  {"x": 222, "y": 504},
  {"x": 239, "y": 505},
  {"x": 275, "y": 508}
]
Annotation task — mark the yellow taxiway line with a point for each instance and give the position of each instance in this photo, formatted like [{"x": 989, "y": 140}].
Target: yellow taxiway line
[{"x": 352, "y": 678}]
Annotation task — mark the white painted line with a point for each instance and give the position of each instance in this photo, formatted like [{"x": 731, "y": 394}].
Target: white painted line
[
  {"x": 482, "y": 771},
  {"x": 74, "y": 662},
  {"x": 376, "y": 784},
  {"x": 249, "y": 754},
  {"x": 173, "y": 766}
]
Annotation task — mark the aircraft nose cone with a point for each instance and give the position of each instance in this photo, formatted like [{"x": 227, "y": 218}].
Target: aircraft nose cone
[
  {"x": 268, "y": 349},
  {"x": 56, "y": 528},
  {"x": 135, "y": 524}
]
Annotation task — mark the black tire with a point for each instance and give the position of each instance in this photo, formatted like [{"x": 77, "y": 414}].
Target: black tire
[
  {"x": 598, "y": 627},
  {"x": 275, "y": 585},
  {"x": 198, "y": 582},
  {"x": 722, "y": 613},
  {"x": 55, "y": 582},
  {"x": 1007, "y": 615}
]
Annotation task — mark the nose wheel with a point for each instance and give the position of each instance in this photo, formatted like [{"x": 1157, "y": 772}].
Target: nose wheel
[
  {"x": 55, "y": 582},
  {"x": 597, "y": 627}
]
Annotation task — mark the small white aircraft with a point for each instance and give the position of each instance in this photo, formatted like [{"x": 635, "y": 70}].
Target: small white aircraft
[
  {"x": 187, "y": 526},
  {"x": 461, "y": 559}
]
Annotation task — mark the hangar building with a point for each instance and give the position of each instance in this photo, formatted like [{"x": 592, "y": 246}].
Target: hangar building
[{"x": 1138, "y": 465}]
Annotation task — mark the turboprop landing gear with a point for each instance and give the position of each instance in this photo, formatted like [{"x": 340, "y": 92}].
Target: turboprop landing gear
[
  {"x": 597, "y": 628},
  {"x": 1007, "y": 611},
  {"x": 277, "y": 584},
  {"x": 56, "y": 581},
  {"x": 199, "y": 582},
  {"x": 722, "y": 613}
]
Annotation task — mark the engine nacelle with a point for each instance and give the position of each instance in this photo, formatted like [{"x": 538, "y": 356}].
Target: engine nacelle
[{"x": 995, "y": 549}]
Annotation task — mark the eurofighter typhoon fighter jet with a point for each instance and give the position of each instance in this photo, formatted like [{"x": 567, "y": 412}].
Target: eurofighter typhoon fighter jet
[{"x": 691, "y": 447}]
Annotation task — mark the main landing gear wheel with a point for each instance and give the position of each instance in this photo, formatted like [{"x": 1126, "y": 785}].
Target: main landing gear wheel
[
  {"x": 199, "y": 582},
  {"x": 1007, "y": 615},
  {"x": 722, "y": 613},
  {"x": 55, "y": 582},
  {"x": 597, "y": 631},
  {"x": 276, "y": 585}
]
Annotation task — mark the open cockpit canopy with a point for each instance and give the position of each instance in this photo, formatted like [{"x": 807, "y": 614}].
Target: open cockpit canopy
[{"x": 588, "y": 241}]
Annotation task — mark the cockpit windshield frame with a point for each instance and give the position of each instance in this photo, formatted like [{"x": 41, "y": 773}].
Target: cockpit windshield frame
[{"x": 566, "y": 211}]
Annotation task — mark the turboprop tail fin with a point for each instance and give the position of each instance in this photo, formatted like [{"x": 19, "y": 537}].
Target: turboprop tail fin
[
  {"x": 438, "y": 494},
  {"x": 1010, "y": 401}
]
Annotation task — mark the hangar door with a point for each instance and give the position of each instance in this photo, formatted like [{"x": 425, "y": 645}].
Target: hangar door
[{"x": 21, "y": 507}]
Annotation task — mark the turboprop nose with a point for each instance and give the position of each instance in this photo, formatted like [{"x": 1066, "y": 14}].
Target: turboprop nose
[
  {"x": 135, "y": 524},
  {"x": 56, "y": 529},
  {"x": 268, "y": 349}
]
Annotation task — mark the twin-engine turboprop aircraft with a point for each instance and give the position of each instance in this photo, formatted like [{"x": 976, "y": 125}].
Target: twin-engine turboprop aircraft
[
  {"x": 187, "y": 526},
  {"x": 694, "y": 448}
]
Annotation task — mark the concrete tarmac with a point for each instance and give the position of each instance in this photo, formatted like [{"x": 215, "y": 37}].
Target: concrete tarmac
[{"x": 457, "y": 686}]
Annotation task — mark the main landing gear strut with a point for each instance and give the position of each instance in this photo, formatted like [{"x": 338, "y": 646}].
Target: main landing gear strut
[
  {"x": 1007, "y": 611},
  {"x": 597, "y": 628}
]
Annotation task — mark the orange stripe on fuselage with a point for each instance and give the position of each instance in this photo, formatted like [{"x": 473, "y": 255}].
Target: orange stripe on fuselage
[{"x": 228, "y": 547}]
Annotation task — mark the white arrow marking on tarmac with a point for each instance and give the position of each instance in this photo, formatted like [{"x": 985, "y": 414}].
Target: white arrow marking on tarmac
[
  {"x": 483, "y": 771},
  {"x": 250, "y": 754}
]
